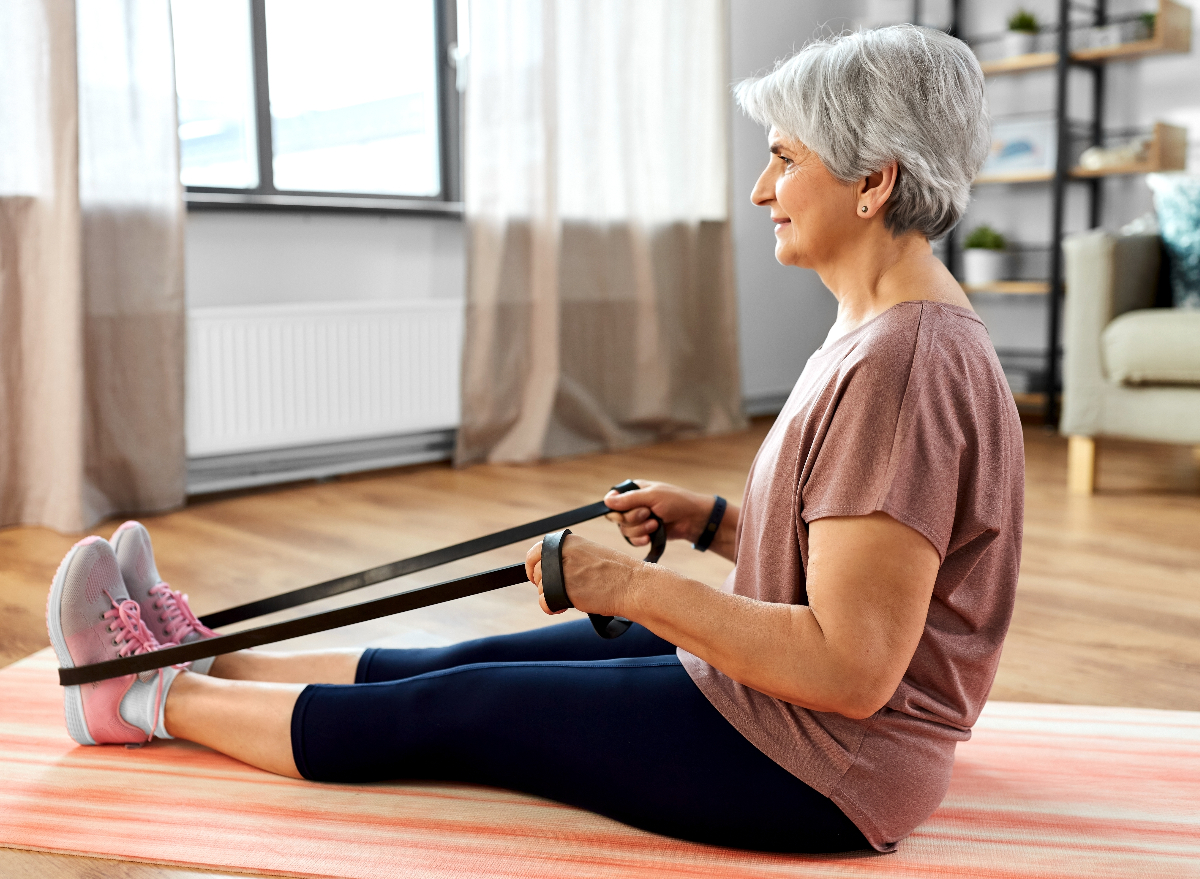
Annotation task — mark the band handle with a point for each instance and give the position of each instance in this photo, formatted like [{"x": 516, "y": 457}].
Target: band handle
[{"x": 554, "y": 587}]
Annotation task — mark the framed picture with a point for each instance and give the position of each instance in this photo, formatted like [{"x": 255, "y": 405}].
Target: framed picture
[{"x": 1021, "y": 145}]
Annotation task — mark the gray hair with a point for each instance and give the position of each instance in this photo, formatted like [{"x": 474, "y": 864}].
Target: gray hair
[{"x": 906, "y": 94}]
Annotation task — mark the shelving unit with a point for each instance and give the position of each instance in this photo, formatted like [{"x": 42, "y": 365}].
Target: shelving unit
[{"x": 1166, "y": 151}]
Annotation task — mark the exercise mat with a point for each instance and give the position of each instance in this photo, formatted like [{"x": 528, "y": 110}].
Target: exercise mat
[{"x": 1040, "y": 790}]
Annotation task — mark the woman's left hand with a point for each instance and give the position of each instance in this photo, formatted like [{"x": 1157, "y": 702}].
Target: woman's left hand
[{"x": 598, "y": 579}]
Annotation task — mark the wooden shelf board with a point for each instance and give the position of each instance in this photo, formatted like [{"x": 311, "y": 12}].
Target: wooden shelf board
[
  {"x": 1021, "y": 288},
  {"x": 1017, "y": 177},
  {"x": 1135, "y": 49},
  {"x": 1020, "y": 63},
  {"x": 1113, "y": 170},
  {"x": 1044, "y": 60}
]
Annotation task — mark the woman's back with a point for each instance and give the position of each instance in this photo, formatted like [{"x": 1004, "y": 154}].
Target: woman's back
[{"x": 908, "y": 415}]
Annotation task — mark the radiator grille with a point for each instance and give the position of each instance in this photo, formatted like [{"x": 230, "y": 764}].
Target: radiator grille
[{"x": 281, "y": 376}]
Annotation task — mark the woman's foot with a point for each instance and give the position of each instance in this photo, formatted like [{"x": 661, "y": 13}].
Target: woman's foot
[
  {"x": 91, "y": 618},
  {"x": 165, "y": 611}
]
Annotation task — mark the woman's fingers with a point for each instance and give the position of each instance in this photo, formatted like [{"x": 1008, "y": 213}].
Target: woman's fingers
[
  {"x": 631, "y": 518},
  {"x": 636, "y": 526},
  {"x": 533, "y": 565},
  {"x": 683, "y": 513},
  {"x": 533, "y": 570},
  {"x": 639, "y": 497}
]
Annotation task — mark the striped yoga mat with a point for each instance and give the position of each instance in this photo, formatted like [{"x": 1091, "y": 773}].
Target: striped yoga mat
[{"x": 1041, "y": 790}]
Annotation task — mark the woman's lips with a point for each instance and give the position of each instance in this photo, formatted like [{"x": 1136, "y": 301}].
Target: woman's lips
[{"x": 780, "y": 223}]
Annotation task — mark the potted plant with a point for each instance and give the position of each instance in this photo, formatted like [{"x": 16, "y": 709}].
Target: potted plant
[
  {"x": 1022, "y": 33},
  {"x": 983, "y": 256},
  {"x": 1144, "y": 26}
]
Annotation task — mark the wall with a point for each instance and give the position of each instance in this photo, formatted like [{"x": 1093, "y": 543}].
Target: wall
[
  {"x": 265, "y": 258},
  {"x": 784, "y": 313}
]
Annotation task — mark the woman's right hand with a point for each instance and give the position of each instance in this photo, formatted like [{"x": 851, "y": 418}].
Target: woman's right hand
[{"x": 684, "y": 512}]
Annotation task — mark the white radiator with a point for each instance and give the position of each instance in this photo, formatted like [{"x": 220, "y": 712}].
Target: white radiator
[{"x": 287, "y": 376}]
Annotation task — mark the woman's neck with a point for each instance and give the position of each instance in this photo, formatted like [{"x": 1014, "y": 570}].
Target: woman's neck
[{"x": 877, "y": 271}]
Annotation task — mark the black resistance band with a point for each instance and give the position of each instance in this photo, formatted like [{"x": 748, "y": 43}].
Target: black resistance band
[{"x": 370, "y": 610}]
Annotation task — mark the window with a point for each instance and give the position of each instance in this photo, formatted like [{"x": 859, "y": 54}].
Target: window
[{"x": 317, "y": 102}]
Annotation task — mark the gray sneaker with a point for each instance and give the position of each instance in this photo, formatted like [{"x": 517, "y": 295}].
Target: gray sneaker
[{"x": 165, "y": 612}]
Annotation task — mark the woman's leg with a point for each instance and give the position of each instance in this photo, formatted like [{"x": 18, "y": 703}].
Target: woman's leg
[
  {"x": 310, "y": 667},
  {"x": 633, "y": 739},
  {"x": 248, "y": 720},
  {"x": 253, "y": 723},
  {"x": 576, "y": 640}
]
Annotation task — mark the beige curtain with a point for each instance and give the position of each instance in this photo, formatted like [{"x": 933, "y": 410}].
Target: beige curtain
[
  {"x": 91, "y": 263},
  {"x": 601, "y": 309}
]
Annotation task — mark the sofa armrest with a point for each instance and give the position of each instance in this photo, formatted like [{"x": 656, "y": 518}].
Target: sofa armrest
[{"x": 1105, "y": 276}]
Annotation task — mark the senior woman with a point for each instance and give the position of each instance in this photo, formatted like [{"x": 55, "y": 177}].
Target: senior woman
[{"x": 814, "y": 703}]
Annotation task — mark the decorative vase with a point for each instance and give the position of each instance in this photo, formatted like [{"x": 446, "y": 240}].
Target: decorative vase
[
  {"x": 1019, "y": 43},
  {"x": 982, "y": 267}
]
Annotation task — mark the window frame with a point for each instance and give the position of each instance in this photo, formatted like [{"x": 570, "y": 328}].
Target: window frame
[{"x": 265, "y": 196}]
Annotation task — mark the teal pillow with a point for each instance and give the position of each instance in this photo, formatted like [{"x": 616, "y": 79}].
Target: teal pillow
[{"x": 1177, "y": 203}]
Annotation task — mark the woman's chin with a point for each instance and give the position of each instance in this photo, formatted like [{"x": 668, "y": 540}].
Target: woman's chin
[{"x": 786, "y": 255}]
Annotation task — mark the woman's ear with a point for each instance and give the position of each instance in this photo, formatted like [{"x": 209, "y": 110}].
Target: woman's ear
[{"x": 875, "y": 189}]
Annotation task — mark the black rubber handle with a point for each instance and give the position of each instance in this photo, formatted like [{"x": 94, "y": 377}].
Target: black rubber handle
[{"x": 554, "y": 586}]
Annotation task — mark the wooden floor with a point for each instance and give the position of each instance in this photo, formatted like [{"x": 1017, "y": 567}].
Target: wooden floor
[{"x": 1108, "y": 609}]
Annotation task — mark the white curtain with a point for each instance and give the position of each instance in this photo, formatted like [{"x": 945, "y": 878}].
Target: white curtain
[
  {"x": 601, "y": 308},
  {"x": 91, "y": 263}
]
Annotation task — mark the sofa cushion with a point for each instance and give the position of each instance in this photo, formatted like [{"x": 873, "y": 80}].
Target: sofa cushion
[{"x": 1153, "y": 346}]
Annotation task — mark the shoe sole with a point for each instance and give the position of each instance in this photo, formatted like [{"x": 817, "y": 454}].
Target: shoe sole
[{"x": 72, "y": 696}]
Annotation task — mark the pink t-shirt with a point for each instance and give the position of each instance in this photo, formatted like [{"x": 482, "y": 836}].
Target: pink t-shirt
[{"x": 909, "y": 414}]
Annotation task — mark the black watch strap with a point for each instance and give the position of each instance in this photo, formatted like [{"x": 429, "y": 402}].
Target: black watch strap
[{"x": 713, "y": 525}]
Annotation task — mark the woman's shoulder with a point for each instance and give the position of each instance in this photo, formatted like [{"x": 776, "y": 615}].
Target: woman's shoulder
[
  {"x": 923, "y": 334},
  {"x": 932, "y": 355}
]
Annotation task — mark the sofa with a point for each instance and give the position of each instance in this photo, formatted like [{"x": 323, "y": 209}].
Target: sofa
[{"x": 1129, "y": 369}]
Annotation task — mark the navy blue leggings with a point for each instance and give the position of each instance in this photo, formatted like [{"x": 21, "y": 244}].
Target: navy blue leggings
[{"x": 616, "y": 727}]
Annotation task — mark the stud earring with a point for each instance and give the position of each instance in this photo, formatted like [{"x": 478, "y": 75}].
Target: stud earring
[{"x": 864, "y": 209}]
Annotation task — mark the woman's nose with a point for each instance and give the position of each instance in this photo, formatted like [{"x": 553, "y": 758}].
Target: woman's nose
[{"x": 764, "y": 189}]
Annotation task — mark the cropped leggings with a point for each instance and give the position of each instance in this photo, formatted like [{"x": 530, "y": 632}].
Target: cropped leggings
[{"x": 616, "y": 727}]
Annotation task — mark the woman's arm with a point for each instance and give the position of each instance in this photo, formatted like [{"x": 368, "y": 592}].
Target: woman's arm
[
  {"x": 870, "y": 580},
  {"x": 685, "y": 513}
]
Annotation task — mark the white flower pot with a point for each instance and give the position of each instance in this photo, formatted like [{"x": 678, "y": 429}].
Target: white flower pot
[
  {"x": 1019, "y": 43},
  {"x": 982, "y": 267}
]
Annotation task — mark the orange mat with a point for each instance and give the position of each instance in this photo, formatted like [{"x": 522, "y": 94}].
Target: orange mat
[{"x": 1041, "y": 790}]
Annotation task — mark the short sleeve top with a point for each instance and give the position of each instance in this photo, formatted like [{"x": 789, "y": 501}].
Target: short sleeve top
[{"x": 909, "y": 414}]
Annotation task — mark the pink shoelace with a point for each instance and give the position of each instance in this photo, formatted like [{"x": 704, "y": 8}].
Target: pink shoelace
[
  {"x": 133, "y": 638},
  {"x": 174, "y": 610},
  {"x": 125, "y": 622}
]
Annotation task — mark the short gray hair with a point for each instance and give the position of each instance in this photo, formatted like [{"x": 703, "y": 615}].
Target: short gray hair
[{"x": 906, "y": 94}]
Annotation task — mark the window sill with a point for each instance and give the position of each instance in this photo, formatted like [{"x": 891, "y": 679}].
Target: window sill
[{"x": 239, "y": 201}]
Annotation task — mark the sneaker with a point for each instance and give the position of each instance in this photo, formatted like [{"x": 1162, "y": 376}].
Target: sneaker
[
  {"x": 91, "y": 619},
  {"x": 164, "y": 610}
]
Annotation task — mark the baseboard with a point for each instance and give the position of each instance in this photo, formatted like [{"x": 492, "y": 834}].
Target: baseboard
[
  {"x": 764, "y": 404},
  {"x": 271, "y": 466}
]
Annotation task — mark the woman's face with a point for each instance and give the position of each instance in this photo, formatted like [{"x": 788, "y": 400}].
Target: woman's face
[{"x": 813, "y": 210}]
